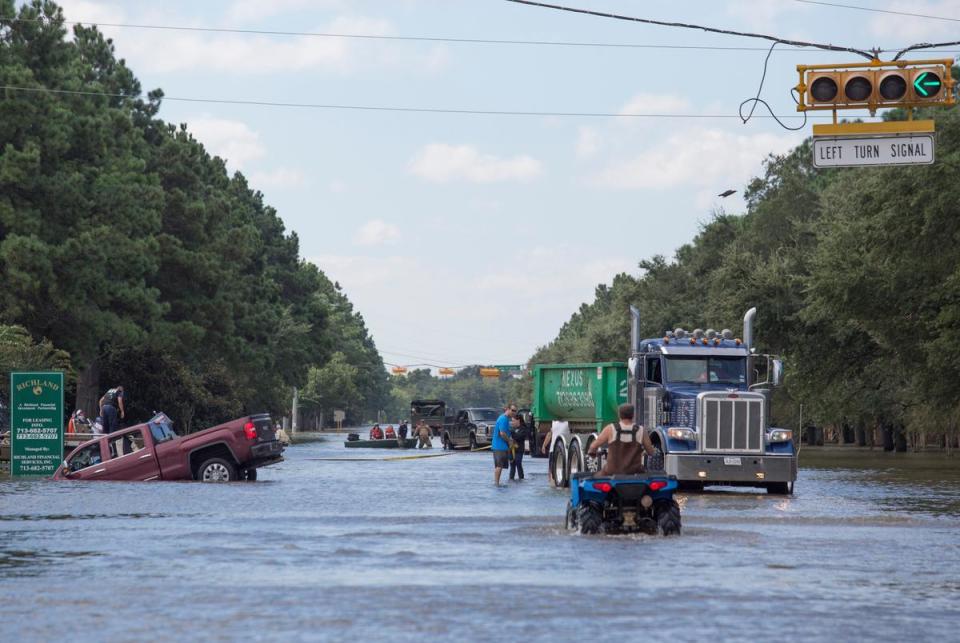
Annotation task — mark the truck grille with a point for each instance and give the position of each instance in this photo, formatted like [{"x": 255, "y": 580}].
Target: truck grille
[{"x": 733, "y": 424}]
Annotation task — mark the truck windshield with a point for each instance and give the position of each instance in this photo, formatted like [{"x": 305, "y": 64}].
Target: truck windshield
[
  {"x": 484, "y": 415},
  {"x": 703, "y": 370}
]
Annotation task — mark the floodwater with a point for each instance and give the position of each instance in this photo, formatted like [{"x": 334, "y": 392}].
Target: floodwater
[{"x": 407, "y": 550}]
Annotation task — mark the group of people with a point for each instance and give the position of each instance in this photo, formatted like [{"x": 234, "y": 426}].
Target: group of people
[
  {"x": 112, "y": 410},
  {"x": 422, "y": 432},
  {"x": 510, "y": 435}
]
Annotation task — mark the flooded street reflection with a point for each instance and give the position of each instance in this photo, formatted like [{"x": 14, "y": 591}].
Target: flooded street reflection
[{"x": 408, "y": 549}]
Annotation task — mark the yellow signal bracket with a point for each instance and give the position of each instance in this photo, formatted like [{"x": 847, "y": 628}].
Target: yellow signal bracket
[{"x": 888, "y": 127}]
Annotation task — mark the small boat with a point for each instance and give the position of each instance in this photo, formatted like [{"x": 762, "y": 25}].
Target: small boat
[{"x": 408, "y": 443}]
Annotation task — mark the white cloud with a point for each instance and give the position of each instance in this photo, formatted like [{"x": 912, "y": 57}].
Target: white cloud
[
  {"x": 588, "y": 142},
  {"x": 908, "y": 29},
  {"x": 256, "y": 10},
  {"x": 377, "y": 232},
  {"x": 282, "y": 178},
  {"x": 764, "y": 15},
  {"x": 441, "y": 163},
  {"x": 708, "y": 160},
  {"x": 233, "y": 141},
  {"x": 656, "y": 104}
]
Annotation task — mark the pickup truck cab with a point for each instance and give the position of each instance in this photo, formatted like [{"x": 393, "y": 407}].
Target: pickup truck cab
[
  {"x": 154, "y": 451},
  {"x": 470, "y": 427}
]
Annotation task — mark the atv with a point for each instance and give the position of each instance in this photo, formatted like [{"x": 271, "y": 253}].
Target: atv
[{"x": 644, "y": 503}]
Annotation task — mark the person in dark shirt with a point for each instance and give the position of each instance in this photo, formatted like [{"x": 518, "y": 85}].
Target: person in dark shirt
[
  {"x": 112, "y": 409},
  {"x": 520, "y": 435}
]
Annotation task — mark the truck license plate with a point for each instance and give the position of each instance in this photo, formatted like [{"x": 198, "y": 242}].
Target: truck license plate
[{"x": 732, "y": 462}]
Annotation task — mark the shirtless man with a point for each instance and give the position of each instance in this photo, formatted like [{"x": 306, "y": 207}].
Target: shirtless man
[{"x": 627, "y": 441}]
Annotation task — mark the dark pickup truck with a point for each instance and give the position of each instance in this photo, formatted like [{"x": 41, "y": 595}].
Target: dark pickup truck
[{"x": 153, "y": 451}]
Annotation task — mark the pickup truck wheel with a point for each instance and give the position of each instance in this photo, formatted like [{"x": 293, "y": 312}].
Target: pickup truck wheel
[
  {"x": 780, "y": 488},
  {"x": 667, "y": 513},
  {"x": 571, "y": 517},
  {"x": 574, "y": 462},
  {"x": 590, "y": 518},
  {"x": 473, "y": 442},
  {"x": 558, "y": 465},
  {"x": 216, "y": 470}
]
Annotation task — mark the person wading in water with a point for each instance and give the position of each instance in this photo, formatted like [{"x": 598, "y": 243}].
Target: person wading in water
[{"x": 627, "y": 441}]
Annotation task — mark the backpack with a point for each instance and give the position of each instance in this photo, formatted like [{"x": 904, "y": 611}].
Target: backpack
[{"x": 627, "y": 436}]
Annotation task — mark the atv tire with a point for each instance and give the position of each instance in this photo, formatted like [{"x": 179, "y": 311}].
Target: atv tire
[
  {"x": 667, "y": 513},
  {"x": 589, "y": 518},
  {"x": 570, "y": 522}
]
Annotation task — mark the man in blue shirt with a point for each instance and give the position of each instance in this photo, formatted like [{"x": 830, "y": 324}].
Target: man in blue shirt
[{"x": 501, "y": 441}]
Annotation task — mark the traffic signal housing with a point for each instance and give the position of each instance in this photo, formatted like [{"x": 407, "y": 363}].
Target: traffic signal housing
[{"x": 874, "y": 85}]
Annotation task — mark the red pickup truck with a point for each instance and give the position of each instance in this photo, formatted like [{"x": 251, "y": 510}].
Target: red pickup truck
[{"x": 153, "y": 451}]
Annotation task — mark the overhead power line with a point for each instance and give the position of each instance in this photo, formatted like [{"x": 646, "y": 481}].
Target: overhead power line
[
  {"x": 874, "y": 10},
  {"x": 683, "y": 25},
  {"x": 388, "y": 108}
]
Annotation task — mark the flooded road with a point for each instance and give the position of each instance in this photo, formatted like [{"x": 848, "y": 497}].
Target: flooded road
[{"x": 428, "y": 548}]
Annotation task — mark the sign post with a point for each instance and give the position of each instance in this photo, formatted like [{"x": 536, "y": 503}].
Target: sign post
[{"x": 36, "y": 423}]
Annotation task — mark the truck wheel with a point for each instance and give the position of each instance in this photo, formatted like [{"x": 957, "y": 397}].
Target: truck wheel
[
  {"x": 574, "y": 462},
  {"x": 571, "y": 520},
  {"x": 217, "y": 470},
  {"x": 590, "y": 518},
  {"x": 558, "y": 465},
  {"x": 473, "y": 442},
  {"x": 655, "y": 461},
  {"x": 780, "y": 488},
  {"x": 668, "y": 517}
]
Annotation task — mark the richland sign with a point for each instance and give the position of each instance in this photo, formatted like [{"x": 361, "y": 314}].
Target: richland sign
[
  {"x": 850, "y": 151},
  {"x": 36, "y": 423}
]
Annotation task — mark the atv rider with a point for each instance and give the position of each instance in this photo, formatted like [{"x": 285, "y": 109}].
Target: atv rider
[{"x": 627, "y": 443}]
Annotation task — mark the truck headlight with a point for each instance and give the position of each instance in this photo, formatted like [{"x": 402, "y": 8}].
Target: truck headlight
[
  {"x": 780, "y": 435},
  {"x": 682, "y": 433}
]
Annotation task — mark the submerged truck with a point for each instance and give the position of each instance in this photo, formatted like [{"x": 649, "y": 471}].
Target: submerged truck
[{"x": 700, "y": 395}]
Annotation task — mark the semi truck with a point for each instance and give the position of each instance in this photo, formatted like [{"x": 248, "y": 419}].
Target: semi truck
[{"x": 703, "y": 395}]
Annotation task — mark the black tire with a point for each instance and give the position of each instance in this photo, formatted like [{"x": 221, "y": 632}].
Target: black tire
[
  {"x": 217, "y": 470},
  {"x": 558, "y": 465},
  {"x": 655, "y": 461},
  {"x": 667, "y": 513},
  {"x": 570, "y": 522},
  {"x": 574, "y": 462},
  {"x": 589, "y": 518},
  {"x": 473, "y": 442},
  {"x": 780, "y": 488}
]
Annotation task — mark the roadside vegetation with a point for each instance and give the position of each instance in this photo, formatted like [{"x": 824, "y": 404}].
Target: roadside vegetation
[
  {"x": 856, "y": 276},
  {"x": 129, "y": 255}
]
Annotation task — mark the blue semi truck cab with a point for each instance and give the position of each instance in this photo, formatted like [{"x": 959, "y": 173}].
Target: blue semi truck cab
[{"x": 705, "y": 396}]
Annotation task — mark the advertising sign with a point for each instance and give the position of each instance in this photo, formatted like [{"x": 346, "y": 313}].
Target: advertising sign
[{"x": 36, "y": 423}]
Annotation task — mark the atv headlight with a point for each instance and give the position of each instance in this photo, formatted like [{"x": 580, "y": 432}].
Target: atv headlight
[
  {"x": 780, "y": 435},
  {"x": 682, "y": 433}
]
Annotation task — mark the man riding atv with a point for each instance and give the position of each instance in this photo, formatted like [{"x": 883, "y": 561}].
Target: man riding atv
[
  {"x": 622, "y": 496},
  {"x": 628, "y": 442}
]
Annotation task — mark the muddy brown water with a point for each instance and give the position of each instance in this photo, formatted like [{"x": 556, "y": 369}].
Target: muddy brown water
[{"x": 408, "y": 550}]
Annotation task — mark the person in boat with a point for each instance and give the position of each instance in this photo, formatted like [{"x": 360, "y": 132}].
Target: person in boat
[
  {"x": 627, "y": 444},
  {"x": 390, "y": 434},
  {"x": 402, "y": 431},
  {"x": 376, "y": 433}
]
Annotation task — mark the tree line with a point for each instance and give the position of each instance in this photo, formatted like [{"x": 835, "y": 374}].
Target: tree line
[
  {"x": 856, "y": 276},
  {"x": 129, "y": 254}
]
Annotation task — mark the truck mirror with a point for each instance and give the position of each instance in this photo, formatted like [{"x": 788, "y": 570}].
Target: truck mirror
[{"x": 776, "y": 375}]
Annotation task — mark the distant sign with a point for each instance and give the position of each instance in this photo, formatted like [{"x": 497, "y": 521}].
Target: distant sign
[
  {"x": 339, "y": 416},
  {"x": 508, "y": 367},
  {"x": 853, "y": 151},
  {"x": 36, "y": 423}
]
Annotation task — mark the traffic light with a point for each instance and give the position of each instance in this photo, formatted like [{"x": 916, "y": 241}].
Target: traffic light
[{"x": 875, "y": 84}]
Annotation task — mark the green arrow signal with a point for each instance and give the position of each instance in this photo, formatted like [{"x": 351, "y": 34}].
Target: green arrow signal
[{"x": 925, "y": 80}]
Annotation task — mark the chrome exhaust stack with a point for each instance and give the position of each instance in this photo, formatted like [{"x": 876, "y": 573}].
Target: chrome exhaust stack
[{"x": 748, "y": 320}]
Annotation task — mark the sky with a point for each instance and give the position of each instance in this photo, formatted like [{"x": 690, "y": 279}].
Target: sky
[{"x": 470, "y": 239}]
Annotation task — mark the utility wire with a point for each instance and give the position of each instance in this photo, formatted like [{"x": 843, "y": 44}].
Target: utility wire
[
  {"x": 873, "y": 10},
  {"x": 379, "y": 108},
  {"x": 756, "y": 100},
  {"x": 683, "y": 25},
  {"x": 443, "y": 39}
]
